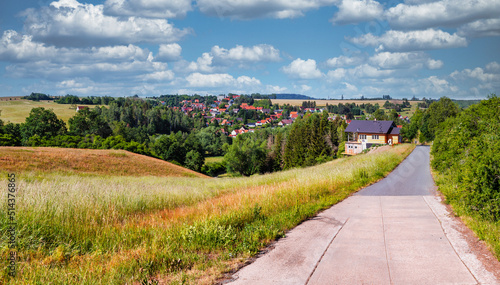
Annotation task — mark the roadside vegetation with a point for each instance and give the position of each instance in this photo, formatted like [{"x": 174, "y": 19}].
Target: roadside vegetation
[
  {"x": 466, "y": 156},
  {"x": 102, "y": 228}
]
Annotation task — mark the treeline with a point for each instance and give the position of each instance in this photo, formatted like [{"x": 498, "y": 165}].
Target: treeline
[
  {"x": 38, "y": 97},
  {"x": 91, "y": 100},
  {"x": 425, "y": 123},
  {"x": 309, "y": 141},
  {"x": 467, "y": 151}
]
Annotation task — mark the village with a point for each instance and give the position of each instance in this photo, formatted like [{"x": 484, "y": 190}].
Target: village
[{"x": 237, "y": 117}]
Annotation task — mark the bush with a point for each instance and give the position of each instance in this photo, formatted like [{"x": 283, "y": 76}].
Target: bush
[{"x": 467, "y": 150}]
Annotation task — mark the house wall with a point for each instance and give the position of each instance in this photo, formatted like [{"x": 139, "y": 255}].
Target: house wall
[
  {"x": 353, "y": 148},
  {"x": 396, "y": 139},
  {"x": 382, "y": 138}
]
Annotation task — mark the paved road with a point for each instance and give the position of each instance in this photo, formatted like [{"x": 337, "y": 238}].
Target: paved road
[{"x": 392, "y": 232}]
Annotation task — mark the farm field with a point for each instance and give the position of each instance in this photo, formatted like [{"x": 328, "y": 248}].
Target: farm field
[
  {"x": 112, "y": 227},
  {"x": 17, "y": 109},
  {"x": 320, "y": 103}
]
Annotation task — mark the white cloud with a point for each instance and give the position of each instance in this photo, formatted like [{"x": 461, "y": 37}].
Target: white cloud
[
  {"x": 303, "y": 69},
  {"x": 343, "y": 61},
  {"x": 165, "y": 75},
  {"x": 240, "y": 53},
  {"x": 477, "y": 73},
  {"x": 436, "y": 85},
  {"x": 404, "y": 60},
  {"x": 169, "y": 52},
  {"x": 275, "y": 89},
  {"x": 202, "y": 64},
  {"x": 481, "y": 28},
  {"x": 148, "y": 8},
  {"x": 15, "y": 47},
  {"x": 336, "y": 74},
  {"x": 434, "y": 64},
  {"x": 70, "y": 23},
  {"x": 220, "y": 80},
  {"x": 493, "y": 67},
  {"x": 219, "y": 58},
  {"x": 411, "y": 41},
  {"x": 444, "y": 13},
  {"x": 355, "y": 11},
  {"x": 249, "y": 9}
]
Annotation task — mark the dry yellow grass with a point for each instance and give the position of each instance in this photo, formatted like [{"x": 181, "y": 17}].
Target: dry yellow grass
[{"x": 91, "y": 161}]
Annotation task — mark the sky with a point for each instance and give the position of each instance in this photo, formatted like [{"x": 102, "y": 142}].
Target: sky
[{"x": 320, "y": 48}]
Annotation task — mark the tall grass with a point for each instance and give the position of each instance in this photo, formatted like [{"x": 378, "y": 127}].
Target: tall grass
[
  {"x": 486, "y": 230},
  {"x": 84, "y": 229}
]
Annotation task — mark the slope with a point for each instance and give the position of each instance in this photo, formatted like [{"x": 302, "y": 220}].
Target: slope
[{"x": 89, "y": 161}]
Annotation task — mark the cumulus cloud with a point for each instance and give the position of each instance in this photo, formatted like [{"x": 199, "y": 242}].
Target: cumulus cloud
[
  {"x": 411, "y": 41},
  {"x": 70, "y": 23},
  {"x": 250, "y": 9},
  {"x": 355, "y": 11},
  {"x": 302, "y": 69},
  {"x": 165, "y": 75},
  {"x": 219, "y": 58},
  {"x": 404, "y": 60},
  {"x": 444, "y": 13},
  {"x": 477, "y": 73},
  {"x": 481, "y": 28},
  {"x": 220, "y": 80},
  {"x": 436, "y": 85},
  {"x": 148, "y": 8},
  {"x": 36, "y": 60},
  {"x": 169, "y": 52},
  {"x": 275, "y": 89},
  {"x": 257, "y": 53},
  {"x": 343, "y": 61},
  {"x": 15, "y": 47}
]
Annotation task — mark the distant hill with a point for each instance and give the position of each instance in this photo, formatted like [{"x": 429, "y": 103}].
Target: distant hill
[
  {"x": 89, "y": 161},
  {"x": 293, "y": 97}
]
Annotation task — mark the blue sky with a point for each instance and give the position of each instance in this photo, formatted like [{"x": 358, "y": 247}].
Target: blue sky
[{"x": 320, "y": 48}]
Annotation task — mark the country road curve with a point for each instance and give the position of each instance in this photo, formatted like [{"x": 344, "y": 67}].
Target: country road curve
[{"x": 395, "y": 231}]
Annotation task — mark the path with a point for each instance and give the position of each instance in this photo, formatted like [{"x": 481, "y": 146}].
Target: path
[{"x": 392, "y": 232}]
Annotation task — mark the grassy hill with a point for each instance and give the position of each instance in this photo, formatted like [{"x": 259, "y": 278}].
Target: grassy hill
[
  {"x": 114, "y": 228},
  {"x": 16, "y": 110},
  {"x": 88, "y": 161}
]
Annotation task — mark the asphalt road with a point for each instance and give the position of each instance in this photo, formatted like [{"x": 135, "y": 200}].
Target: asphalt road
[
  {"x": 393, "y": 232},
  {"x": 410, "y": 178}
]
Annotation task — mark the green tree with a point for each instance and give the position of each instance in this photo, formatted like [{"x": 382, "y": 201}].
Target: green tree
[
  {"x": 43, "y": 123},
  {"x": 89, "y": 122},
  {"x": 437, "y": 113},
  {"x": 194, "y": 160},
  {"x": 246, "y": 155}
]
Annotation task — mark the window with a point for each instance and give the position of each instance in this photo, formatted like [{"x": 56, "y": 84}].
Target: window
[
  {"x": 374, "y": 137},
  {"x": 362, "y": 137}
]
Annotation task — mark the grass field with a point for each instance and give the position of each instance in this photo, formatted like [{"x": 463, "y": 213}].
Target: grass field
[
  {"x": 88, "y": 161},
  {"x": 213, "y": 159},
  {"x": 102, "y": 228},
  {"x": 17, "y": 109}
]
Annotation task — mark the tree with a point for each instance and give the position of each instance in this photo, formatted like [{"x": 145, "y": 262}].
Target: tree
[
  {"x": 246, "y": 155},
  {"x": 89, "y": 122},
  {"x": 379, "y": 115},
  {"x": 43, "y": 123},
  {"x": 194, "y": 160},
  {"x": 438, "y": 112}
]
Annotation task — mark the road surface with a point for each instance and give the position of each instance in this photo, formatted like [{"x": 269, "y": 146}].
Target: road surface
[{"x": 393, "y": 232}]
